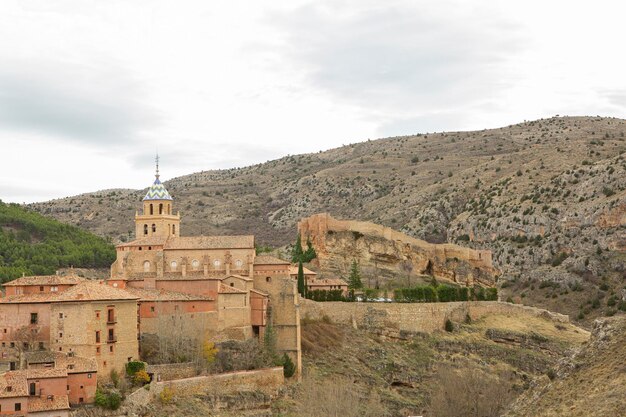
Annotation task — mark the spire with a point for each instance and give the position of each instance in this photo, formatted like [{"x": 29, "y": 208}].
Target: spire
[
  {"x": 157, "y": 191},
  {"x": 157, "y": 165}
]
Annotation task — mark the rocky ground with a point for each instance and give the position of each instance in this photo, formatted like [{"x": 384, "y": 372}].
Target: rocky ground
[{"x": 590, "y": 383}]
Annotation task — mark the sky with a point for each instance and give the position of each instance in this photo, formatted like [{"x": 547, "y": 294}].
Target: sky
[{"x": 91, "y": 90}]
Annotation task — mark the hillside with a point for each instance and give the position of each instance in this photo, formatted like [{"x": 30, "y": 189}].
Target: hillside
[
  {"x": 33, "y": 244},
  {"x": 591, "y": 383},
  {"x": 548, "y": 197}
]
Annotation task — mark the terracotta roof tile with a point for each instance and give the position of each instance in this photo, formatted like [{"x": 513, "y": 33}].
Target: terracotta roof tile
[
  {"x": 85, "y": 291},
  {"x": 145, "y": 294},
  {"x": 326, "y": 281},
  {"x": 293, "y": 270},
  {"x": 269, "y": 260},
  {"x": 45, "y": 403},
  {"x": 15, "y": 382},
  {"x": 46, "y": 280},
  {"x": 227, "y": 289},
  {"x": 241, "y": 277},
  {"x": 146, "y": 241},
  {"x": 211, "y": 242},
  {"x": 94, "y": 291}
]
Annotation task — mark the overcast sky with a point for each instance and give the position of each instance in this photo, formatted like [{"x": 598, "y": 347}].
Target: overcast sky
[{"x": 89, "y": 90}]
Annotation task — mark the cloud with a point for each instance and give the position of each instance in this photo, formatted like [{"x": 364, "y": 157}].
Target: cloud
[
  {"x": 401, "y": 58},
  {"x": 80, "y": 103}
]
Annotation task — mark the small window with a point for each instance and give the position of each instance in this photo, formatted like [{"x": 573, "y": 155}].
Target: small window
[
  {"x": 97, "y": 337},
  {"x": 145, "y": 229},
  {"x": 32, "y": 388},
  {"x": 97, "y": 351},
  {"x": 9, "y": 388},
  {"x": 146, "y": 266},
  {"x": 18, "y": 406},
  {"x": 41, "y": 346},
  {"x": 80, "y": 400},
  {"x": 111, "y": 348},
  {"x": 41, "y": 289},
  {"x": 151, "y": 210},
  {"x": 33, "y": 318},
  {"x": 173, "y": 229},
  {"x": 160, "y": 208},
  {"x": 54, "y": 289},
  {"x": 238, "y": 263},
  {"x": 60, "y": 334},
  {"x": 97, "y": 314},
  {"x": 153, "y": 228},
  {"x": 216, "y": 263},
  {"x": 60, "y": 315},
  {"x": 89, "y": 376},
  {"x": 152, "y": 309},
  {"x": 232, "y": 284},
  {"x": 195, "y": 264},
  {"x": 268, "y": 279},
  {"x": 173, "y": 265},
  {"x": 104, "y": 363}
]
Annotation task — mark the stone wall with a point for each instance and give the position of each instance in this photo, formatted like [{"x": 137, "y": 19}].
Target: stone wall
[
  {"x": 171, "y": 371},
  {"x": 268, "y": 381},
  {"x": 385, "y": 253},
  {"x": 415, "y": 317}
]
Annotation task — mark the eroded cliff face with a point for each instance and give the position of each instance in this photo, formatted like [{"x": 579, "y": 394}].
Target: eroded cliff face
[{"x": 384, "y": 254}]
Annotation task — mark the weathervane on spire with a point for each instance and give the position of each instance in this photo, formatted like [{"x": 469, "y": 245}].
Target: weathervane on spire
[{"x": 157, "y": 164}]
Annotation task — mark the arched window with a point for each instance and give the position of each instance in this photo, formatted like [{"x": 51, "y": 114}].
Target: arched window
[
  {"x": 160, "y": 208},
  {"x": 153, "y": 228},
  {"x": 195, "y": 264},
  {"x": 174, "y": 229},
  {"x": 146, "y": 266},
  {"x": 173, "y": 265},
  {"x": 169, "y": 209},
  {"x": 145, "y": 229},
  {"x": 151, "y": 209}
]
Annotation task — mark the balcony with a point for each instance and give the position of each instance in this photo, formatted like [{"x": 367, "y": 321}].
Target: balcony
[
  {"x": 112, "y": 339},
  {"x": 111, "y": 320}
]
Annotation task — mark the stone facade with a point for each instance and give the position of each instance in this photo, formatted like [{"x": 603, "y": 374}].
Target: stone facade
[{"x": 385, "y": 253}]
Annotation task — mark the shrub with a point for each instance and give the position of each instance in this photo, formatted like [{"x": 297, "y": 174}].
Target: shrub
[
  {"x": 134, "y": 366},
  {"x": 289, "y": 369},
  {"x": 141, "y": 377},
  {"x": 449, "y": 326},
  {"x": 167, "y": 395},
  {"x": 110, "y": 400}
]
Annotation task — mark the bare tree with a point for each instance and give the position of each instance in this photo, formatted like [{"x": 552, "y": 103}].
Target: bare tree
[
  {"x": 470, "y": 392},
  {"x": 407, "y": 267}
]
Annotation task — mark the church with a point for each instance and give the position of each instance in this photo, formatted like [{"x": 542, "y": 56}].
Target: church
[{"x": 214, "y": 287}]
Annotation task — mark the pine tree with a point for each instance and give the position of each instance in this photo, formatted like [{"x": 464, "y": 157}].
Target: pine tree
[
  {"x": 301, "y": 286},
  {"x": 354, "y": 282},
  {"x": 296, "y": 252}
]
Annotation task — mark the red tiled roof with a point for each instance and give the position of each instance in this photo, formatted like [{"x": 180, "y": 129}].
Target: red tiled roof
[
  {"x": 85, "y": 291},
  {"x": 293, "y": 270},
  {"x": 146, "y": 294},
  {"x": 45, "y": 280},
  {"x": 269, "y": 260},
  {"x": 227, "y": 289},
  {"x": 45, "y": 403},
  {"x": 17, "y": 383},
  {"x": 326, "y": 281},
  {"x": 146, "y": 241},
  {"x": 211, "y": 242},
  {"x": 241, "y": 277}
]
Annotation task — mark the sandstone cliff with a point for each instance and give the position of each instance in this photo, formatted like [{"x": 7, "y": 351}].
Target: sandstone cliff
[{"x": 384, "y": 254}]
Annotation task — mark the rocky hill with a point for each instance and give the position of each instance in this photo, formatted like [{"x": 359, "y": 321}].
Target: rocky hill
[
  {"x": 547, "y": 197},
  {"x": 590, "y": 383}
]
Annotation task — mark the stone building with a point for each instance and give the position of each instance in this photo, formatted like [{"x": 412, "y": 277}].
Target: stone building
[
  {"x": 82, "y": 320},
  {"x": 233, "y": 293}
]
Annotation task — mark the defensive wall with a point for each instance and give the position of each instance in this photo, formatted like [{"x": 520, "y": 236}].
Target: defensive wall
[{"x": 415, "y": 317}]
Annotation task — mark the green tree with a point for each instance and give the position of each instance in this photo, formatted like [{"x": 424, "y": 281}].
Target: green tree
[
  {"x": 301, "y": 286},
  {"x": 297, "y": 252},
  {"x": 354, "y": 281},
  {"x": 289, "y": 369}
]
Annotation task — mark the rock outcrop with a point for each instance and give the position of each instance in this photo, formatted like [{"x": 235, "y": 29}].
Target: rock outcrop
[{"x": 384, "y": 253}]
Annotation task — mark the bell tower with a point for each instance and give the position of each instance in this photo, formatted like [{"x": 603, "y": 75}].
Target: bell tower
[{"x": 157, "y": 218}]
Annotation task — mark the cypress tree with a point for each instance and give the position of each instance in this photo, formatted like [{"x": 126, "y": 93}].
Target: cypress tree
[
  {"x": 301, "y": 286},
  {"x": 309, "y": 254},
  {"x": 296, "y": 253},
  {"x": 354, "y": 282}
]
